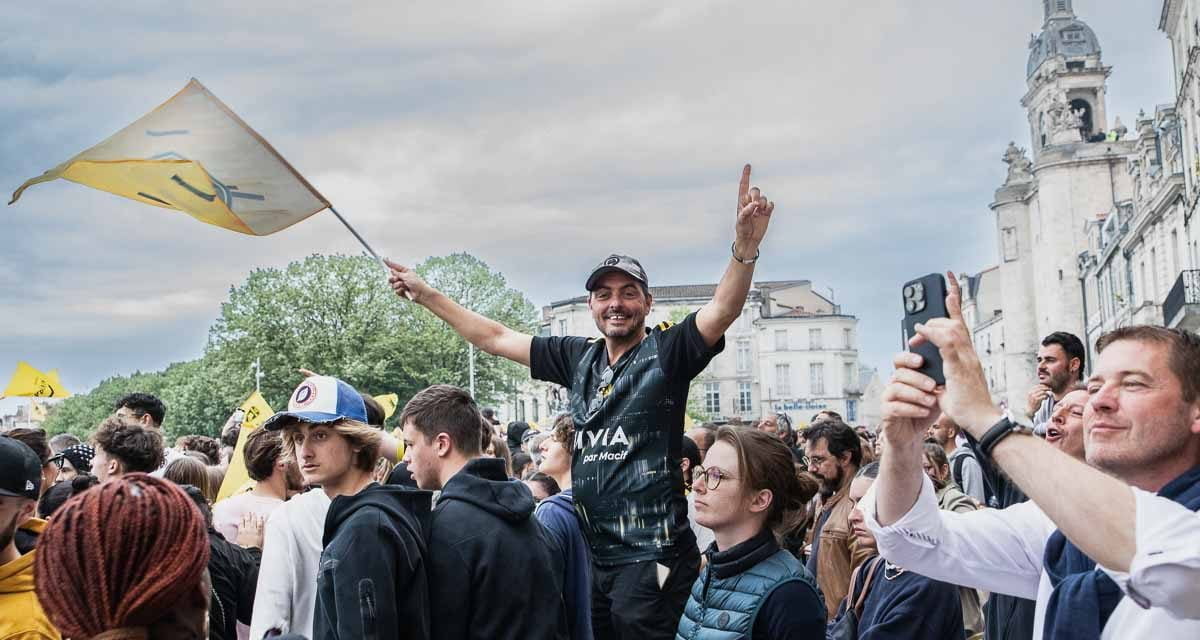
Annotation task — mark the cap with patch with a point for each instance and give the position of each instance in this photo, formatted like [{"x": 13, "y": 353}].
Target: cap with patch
[
  {"x": 617, "y": 263},
  {"x": 20, "y": 470},
  {"x": 320, "y": 400}
]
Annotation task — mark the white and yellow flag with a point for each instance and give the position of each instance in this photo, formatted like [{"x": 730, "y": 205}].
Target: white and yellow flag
[
  {"x": 255, "y": 411},
  {"x": 195, "y": 155}
]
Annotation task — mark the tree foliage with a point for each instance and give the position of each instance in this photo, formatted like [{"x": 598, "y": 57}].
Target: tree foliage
[{"x": 335, "y": 315}]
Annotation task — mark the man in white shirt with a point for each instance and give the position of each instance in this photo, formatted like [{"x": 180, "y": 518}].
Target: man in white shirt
[
  {"x": 275, "y": 478},
  {"x": 1129, "y": 512}
]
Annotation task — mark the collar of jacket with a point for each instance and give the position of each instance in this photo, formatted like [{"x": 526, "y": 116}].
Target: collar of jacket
[
  {"x": 742, "y": 556},
  {"x": 837, "y": 497}
]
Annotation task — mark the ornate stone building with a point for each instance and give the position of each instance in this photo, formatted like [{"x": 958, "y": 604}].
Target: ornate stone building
[{"x": 1093, "y": 225}]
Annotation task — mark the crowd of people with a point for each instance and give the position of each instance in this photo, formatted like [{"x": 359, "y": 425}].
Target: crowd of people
[{"x": 952, "y": 518}]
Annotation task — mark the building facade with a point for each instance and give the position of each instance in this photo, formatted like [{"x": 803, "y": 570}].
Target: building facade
[{"x": 791, "y": 351}]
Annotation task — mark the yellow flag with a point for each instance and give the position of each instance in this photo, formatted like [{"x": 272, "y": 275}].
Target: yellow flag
[
  {"x": 195, "y": 155},
  {"x": 255, "y": 410},
  {"x": 28, "y": 382},
  {"x": 389, "y": 402}
]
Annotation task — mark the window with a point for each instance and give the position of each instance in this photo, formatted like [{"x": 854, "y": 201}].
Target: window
[
  {"x": 743, "y": 356},
  {"x": 744, "y": 405},
  {"x": 521, "y": 410},
  {"x": 814, "y": 338},
  {"x": 816, "y": 378},
  {"x": 1175, "y": 268},
  {"x": 535, "y": 410},
  {"x": 783, "y": 380},
  {"x": 846, "y": 338},
  {"x": 781, "y": 342},
  {"x": 851, "y": 383},
  {"x": 712, "y": 398},
  {"x": 562, "y": 326},
  {"x": 744, "y": 320}
]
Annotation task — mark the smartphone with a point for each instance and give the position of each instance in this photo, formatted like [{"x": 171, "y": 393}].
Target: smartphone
[{"x": 924, "y": 300}]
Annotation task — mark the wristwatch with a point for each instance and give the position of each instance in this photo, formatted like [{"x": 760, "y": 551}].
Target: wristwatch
[{"x": 1005, "y": 427}]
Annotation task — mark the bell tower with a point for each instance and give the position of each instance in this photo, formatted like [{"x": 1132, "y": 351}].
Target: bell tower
[{"x": 1066, "y": 81}]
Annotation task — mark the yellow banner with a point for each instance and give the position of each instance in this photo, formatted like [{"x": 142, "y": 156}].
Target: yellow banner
[
  {"x": 255, "y": 410},
  {"x": 28, "y": 382},
  {"x": 389, "y": 402},
  {"x": 194, "y": 154}
]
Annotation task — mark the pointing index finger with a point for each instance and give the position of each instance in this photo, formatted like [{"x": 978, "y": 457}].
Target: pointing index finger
[
  {"x": 744, "y": 186},
  {"x": 953, "y": 297}
]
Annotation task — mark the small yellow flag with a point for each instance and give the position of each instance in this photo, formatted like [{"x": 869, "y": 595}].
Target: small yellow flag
[
  {"x": 389, "y": 402},
  {"x": 256, "y": 411},
  {"x": 28, "y": 382}
]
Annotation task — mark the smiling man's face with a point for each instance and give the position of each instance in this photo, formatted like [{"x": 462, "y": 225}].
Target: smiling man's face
[{"x": 619, "y": 306}]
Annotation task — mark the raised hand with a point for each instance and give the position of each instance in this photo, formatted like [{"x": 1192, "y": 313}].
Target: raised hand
[
  {"x": 406, "y": 283},
  {"x": 753, "y": 216},
  {"x": 250, "y": 530},
  {"x": 912, "y": 395}
]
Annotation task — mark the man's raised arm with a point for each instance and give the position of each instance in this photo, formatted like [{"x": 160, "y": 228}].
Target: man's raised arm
[
  {"x": 486, "y": 334},
  {"x": 753, "y": 216}
]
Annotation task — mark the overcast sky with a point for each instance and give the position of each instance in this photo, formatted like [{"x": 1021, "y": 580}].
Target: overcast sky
[{"x": 538, "y": 136}]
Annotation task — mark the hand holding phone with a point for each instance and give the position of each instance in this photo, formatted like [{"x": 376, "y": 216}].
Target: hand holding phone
[{"x": 925, "y": 299}]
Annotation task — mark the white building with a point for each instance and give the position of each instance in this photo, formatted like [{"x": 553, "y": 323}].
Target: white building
[
  {"x": 1093, "y": 231},
  {"x": 791, "y": 351}
]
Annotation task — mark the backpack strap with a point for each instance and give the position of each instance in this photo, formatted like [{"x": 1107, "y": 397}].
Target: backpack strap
[{"x": 866, "y": 587}]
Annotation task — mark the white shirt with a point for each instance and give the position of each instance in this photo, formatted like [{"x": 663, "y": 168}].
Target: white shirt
[
  {"x": 286, "y": 596},
  {"x": 227, "y": 514},
  {"x": 1002, "y": 551}
]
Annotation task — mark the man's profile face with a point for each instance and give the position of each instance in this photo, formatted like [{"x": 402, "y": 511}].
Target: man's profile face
[
  {"x": 1135, "y": 416},
  {"x": 421, "y": 455},
  {"x": 1054, "y": 367},
  {"x": 619, "y": 306},
  {"x": 942, "y": 430}
]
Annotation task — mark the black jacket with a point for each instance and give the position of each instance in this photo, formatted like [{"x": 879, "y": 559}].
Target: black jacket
[
  {"x": 372, "y": 582},
  {"x": 495, "y": 573},
  {"x": 234, "y": 572}
]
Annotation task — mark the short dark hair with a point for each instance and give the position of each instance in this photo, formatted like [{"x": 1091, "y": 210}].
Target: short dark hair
[
  {"x": 375, "y": 413},
  {"x": 550, "y": 485},
  {"x": 1071, "y": 344},
  {"x": 1183, "y": 345},
  {"x": 138, "y": 448},
  {"x": 839, "y": 438},
  {"x": 445, "y": 408},
  {"x": 204, "y": 445},
  {"x": 262, "y": 451},
  {"x": 143, "y": 403},
  {"x": 35, "y": 439},
  {"x": 520, "y": 460},
  {"x": 691, "y": 451}
]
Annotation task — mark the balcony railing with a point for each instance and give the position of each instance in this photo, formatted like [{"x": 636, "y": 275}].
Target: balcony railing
[{"x": 1185, "y": 294}]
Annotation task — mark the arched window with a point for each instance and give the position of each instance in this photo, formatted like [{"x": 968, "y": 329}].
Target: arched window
[{"x": 1085, "y": 128}]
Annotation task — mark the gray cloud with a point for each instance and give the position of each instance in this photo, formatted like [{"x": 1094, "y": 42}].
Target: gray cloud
[{"x": 528, "y": 136}]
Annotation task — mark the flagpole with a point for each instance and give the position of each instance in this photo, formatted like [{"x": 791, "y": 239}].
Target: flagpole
[{"x": 366, "y": 246}]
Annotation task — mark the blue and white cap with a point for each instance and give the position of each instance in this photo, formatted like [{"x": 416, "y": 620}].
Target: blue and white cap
[{"x": 320, "y": 400}]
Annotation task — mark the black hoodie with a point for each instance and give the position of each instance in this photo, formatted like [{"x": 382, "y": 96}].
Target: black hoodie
[
  {"x": 494, "y": 572},
  {"x": 372, "y": 582}
]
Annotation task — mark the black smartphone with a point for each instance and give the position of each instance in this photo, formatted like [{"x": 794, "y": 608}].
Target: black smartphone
[{"x": 924, "y": 300}]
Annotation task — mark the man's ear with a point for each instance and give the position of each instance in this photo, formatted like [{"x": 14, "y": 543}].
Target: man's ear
[
  {"x": 28, "y": 510},
  {"x": 443, "y": 444}
]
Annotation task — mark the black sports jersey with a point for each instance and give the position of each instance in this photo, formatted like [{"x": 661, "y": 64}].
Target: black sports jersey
[{"x": 628, "y": 417}]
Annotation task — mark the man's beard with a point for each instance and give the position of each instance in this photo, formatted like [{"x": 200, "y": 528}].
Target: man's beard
[
  {"x": 830, "y": 486},
  {"x": 1058, "y": 382}
]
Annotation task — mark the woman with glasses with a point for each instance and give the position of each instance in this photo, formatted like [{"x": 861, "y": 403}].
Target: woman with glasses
[{"x": 750, "y": 588}]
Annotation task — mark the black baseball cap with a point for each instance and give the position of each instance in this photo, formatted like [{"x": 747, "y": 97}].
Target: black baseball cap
[
  {"x": 20, "y": 470},
  {"x": 617, "y": 263}
]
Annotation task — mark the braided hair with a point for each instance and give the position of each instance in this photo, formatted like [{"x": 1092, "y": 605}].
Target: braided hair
[{"x": 118, "y": 557}]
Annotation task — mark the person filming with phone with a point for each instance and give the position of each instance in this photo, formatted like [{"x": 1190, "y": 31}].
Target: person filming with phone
[{"x": 1109, "y": 548}]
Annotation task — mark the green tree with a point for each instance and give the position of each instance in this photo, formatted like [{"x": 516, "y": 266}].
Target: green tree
[
  {"x": 695, "y": 398},
  {"x": 330, "y": 314}
]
